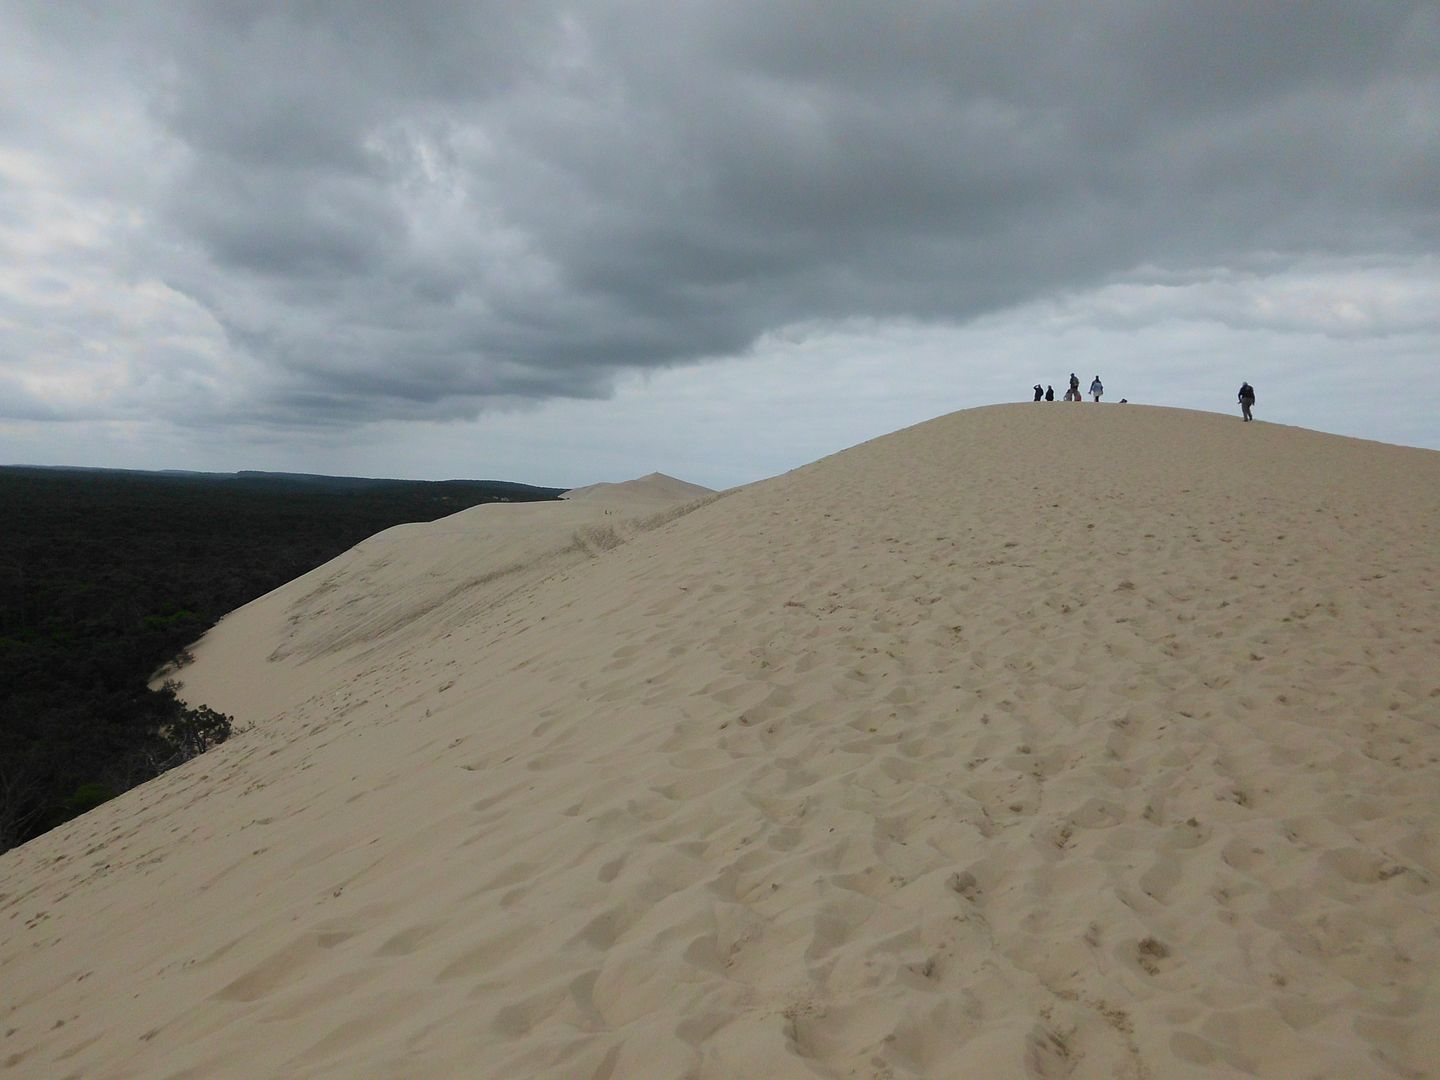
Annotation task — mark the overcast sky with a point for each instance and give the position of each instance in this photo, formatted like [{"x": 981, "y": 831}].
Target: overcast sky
[{"x": 569, "y": 242}]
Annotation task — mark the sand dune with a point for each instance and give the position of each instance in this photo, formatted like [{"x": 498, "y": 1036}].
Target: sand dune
[{"x": 1092, "y": 741}]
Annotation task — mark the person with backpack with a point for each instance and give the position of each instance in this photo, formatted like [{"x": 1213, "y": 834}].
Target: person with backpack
[
  {"x": 1096, "y": 389},
  {"x": 1246, "y": 399}
]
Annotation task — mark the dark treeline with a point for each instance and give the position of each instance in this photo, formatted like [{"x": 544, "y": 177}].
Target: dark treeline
[{"x": 105, "y": 576}]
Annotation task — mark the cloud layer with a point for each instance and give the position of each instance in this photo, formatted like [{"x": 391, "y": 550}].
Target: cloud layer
[{"x": 315, "y": 215}]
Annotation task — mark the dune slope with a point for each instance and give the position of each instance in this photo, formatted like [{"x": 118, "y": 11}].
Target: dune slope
[{"x": 1093, "y": 741}]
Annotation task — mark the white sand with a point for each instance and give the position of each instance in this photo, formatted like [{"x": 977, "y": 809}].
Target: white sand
[{"x": 1099, "y": 741}]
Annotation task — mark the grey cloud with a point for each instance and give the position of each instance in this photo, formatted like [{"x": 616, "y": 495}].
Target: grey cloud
[
  {"x": 419, "y": 209},
  {"x": 271, "y": 222},
  {"x": 17, "y": 403}
]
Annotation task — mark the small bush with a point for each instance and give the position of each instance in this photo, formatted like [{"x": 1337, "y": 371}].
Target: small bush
[
  {"x": 197, "y": 730},
  {"x": 88, "y": 796},
  {"x": 185, "y": 732}
]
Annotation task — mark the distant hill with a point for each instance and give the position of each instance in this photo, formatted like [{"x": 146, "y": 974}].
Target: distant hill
[
  {"x": 505, "y": 489},
  {"x": 515, "y": 492}
]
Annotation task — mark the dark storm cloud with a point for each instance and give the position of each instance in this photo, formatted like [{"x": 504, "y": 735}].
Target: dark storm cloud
[{"x": 408, "y": 210}]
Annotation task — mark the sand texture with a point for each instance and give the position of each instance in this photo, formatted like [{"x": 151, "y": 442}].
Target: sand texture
[{"x": 1034, "y": 741}]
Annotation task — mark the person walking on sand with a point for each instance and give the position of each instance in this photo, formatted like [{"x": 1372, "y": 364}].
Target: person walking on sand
[
  {"x": 1049, "y": 393},
  {"x": 1246, "y": 399},
  {"x": 1039, "y": 392},
  {"x": 1096, "y": 389},
  {"x": 1073, "y": 394}
]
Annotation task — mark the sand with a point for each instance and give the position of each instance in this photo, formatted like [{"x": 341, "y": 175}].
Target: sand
[{"x": 1033, "y": 741}]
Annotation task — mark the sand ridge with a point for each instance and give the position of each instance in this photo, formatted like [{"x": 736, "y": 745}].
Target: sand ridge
[{"x": 1061, "y": 741}]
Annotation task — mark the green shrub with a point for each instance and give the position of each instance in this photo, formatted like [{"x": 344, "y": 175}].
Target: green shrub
[{"x": 88, "y": 796}]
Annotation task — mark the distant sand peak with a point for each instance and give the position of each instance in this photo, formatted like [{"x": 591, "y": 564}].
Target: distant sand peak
[{"x": 656, "y": 485}]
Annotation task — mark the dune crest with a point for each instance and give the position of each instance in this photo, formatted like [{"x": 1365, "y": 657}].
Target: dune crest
[{"x": 1089, "y": 741}]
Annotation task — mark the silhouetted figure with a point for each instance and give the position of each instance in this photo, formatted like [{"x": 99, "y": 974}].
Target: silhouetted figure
[
  {"x": 1246, "y": 399},
  {"x": 1074, "y": 394},
  {"x": 1039, "y": 392},
  {"x": 1049, "y": 393},
  {"x": 1096, "y": 389}
]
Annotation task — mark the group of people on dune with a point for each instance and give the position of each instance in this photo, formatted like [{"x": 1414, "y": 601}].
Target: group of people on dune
[
  {"x": 1047, "y": 393},
  {"x": 1073, "y": 394}
]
